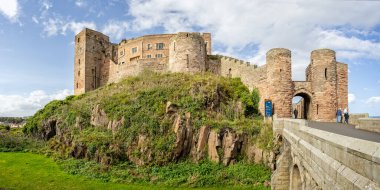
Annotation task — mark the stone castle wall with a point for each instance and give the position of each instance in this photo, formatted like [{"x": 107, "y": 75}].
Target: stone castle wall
[{"x": 99, "y": 62}]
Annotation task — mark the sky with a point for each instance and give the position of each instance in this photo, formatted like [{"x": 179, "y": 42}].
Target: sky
[{"x": 37, "y": 39}]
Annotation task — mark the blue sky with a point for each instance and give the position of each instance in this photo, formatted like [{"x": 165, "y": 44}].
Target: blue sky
[{"x": 37, "y": 52}]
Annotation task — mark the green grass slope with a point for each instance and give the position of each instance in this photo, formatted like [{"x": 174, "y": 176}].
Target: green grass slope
[{"x": 31, "y": 171}]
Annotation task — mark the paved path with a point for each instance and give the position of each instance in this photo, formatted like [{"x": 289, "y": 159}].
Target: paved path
[{"x": 346, "y": 130}]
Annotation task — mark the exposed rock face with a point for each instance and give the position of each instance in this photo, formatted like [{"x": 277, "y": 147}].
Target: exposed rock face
[
  {"x": 171, "y": 108},
  {"x": 232, "y": 144},
  {"x": 49, "y": 129},
  {"x": 219, "y": 145},
  {"x": 114, "y": 125},
  {"x": 212, "y": 145},
  {"x": 199, "y": 150},
  {"x": 99, "y": 117},
  {"x": 184, "y": 135}
]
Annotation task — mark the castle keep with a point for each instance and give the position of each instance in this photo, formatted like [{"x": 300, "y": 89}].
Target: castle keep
[{"x": 99, "y": 62}]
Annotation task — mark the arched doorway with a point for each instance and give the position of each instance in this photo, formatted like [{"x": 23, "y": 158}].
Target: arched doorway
[
  {"x": 301, "y": 105},
  {"x": 296, "y": 183}
]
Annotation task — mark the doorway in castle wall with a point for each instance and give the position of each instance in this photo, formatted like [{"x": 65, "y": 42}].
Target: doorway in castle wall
[{"x": 301, "y": 106}]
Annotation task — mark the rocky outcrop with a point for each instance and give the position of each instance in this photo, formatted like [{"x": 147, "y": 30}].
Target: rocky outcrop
[
  {"x": 232, "y": 144},
  {"x": 49, "y": 128},
  {"x": 99, "y": 117},
  {"x": 184, "y": 136},
  {"x": 212, "y": 146},
  {"x": 200, "y": 144}
]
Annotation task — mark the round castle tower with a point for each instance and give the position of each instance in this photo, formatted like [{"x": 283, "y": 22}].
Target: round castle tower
[
  {"x": 323, "y": 79},
  {"x": 279, "y": 81},
  {"x": 187, "y": 53}
]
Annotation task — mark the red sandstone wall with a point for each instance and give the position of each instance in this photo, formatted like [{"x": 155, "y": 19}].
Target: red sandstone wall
[
  {"x": 342, "y": 88},
  {"x": 324, "y": 84},
  {"x": 279, "y": 81}
]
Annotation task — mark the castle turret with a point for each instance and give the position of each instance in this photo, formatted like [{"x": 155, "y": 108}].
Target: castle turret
[
  {"x": 90, "y": 48},
  {"x": 279, "y": 81},
  {"x": 187, "y": 53},
  {"x": 323, "y": 78}
]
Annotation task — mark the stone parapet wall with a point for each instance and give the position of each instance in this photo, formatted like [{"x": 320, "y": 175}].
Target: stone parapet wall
[
  {"x": 356, "y": 116},
  {"x": 331, "y": 160},
  {"x": 369, "y": 124}
]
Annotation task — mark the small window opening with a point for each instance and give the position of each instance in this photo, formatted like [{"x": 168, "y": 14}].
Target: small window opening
[
  {"x": 317, "y": 108},
  {"x": 174, "y": 45},
  {"x": 326, "y": 73},
  {"x": 77, "y": 85},
  {"x": 78, "y": 40},
  {"x": 78, "y": 73},
  {"x": 187, "y": 60},
  {"x": 79, "y": 62},
  {"x": 187, "y": 35}
]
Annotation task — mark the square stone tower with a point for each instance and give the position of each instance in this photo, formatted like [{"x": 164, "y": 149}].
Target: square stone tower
[{"x": 89, "y": 56}]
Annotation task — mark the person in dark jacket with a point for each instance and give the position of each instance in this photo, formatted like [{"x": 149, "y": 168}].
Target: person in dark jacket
[
  {"x": 339, "y": 115},
  {"x": 295, "y": 113},
  {"x": 346, "y": 116}
]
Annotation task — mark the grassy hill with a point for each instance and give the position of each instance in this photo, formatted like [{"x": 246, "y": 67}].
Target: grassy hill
[{"x": 168, "y": 129}]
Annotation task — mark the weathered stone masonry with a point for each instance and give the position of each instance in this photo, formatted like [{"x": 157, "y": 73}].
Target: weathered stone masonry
[{"x": 99, "y": 62}]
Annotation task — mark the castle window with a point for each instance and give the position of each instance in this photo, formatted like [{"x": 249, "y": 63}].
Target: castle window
[
  {"x": 187, "y": 60},
  {"x": 174, "y": 45},
  {"x": 77, "y": 85},
  {"x": 149, "y": 56},
  {"x": 78, "y": 73},
  {"x": 78, "y": 40},
  {"x": 79, "y": 62},
  {"x": 149, "y": 46},
  {"x": 326, "y": 73},
  {"x": 158, "y": 55},
  {"x": 134, "y": 50},
  {"x": 317, "y": 108},
  {"x": 229, "y": 72},
  {"x": 160, "y": 46}
]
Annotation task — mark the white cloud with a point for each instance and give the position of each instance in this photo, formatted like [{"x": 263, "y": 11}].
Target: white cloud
[
  {"x": 10, "y": 9},
  {"x": 116, "y": 29},
  {"x": 80, "y": 3},
  {"x": 18, "y": 105},
  {"x": 300, "y": 26},
  {"x": 57, "y": 26},
  {"x": 46, "y": 4},
  {"x": 373, "y": 100},
  {"x": 351, "y": 98}
]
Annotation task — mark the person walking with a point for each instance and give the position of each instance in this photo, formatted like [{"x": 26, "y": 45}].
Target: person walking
[
  {"x": 339, "y": 115},
  {"x": 346, "y": 116},
  {"x": 295, "y": 113}
]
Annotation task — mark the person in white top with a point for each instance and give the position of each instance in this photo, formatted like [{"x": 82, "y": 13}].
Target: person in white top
[{"x": 346, "y": 115}]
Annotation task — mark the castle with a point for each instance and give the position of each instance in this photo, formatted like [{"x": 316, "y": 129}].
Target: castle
[{"x": 99, "y": 62}]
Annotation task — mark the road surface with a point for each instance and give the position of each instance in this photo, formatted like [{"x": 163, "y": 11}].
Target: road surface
[{"x": 346, "y": 130}]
